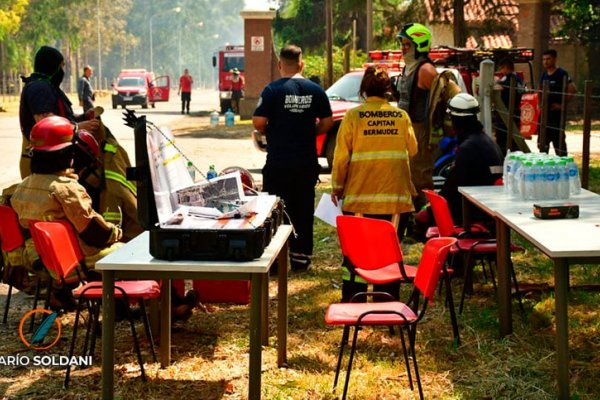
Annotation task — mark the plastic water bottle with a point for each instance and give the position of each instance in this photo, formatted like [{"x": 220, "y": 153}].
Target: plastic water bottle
[
  {"x": 506, "y": 167},
  {"x": 562, "y": 180},
  {"x": 214, "y": 118},
  {"x": 551, "y": 192},
  {"x": 212, "y": 173},
  {"x": 191, "y": 170},
  {"x": 574, "y": 180},
  {"x": 539, "y": 182},
  {"x": 526, "y": 181},
  {"x": 229, "y": 118},
  {"x": 513, "y": 176}
]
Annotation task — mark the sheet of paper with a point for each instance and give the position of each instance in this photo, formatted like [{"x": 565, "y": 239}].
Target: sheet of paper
[{"x": 327, "y": 211}]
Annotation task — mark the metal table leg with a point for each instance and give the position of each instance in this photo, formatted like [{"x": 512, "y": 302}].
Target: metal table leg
[
  {"x": 255, "y": 337},
  {"x": 504, "y": 282},
  {"x": 282, "y": 307},
  {"x": 561, "y": 284},
  {"x": 165, "y": 323},
  {"x": 108, "y": 334}
]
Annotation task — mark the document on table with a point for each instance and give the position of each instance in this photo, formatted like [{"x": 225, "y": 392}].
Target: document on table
[{"x": 327, "y": 211}]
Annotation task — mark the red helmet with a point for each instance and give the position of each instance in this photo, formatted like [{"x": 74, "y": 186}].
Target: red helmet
[
  {"x": 87, "y": 143},
  {"x": 247, "y": 179},
  {"x": 52, "y": 134}
]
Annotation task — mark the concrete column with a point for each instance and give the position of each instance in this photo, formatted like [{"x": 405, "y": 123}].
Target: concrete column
[
  {"x": 260, "y": 60},
  {"x": 534, "y": 30}
]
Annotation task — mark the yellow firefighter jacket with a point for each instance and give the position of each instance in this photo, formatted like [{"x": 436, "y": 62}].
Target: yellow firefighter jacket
[
  {"x": 118, "y": 201},
  {"x": 371, "y": 160},
  {"x": 50, "y": 197}
]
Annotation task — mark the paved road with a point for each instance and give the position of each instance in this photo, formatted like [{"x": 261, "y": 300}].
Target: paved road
[
  {"x": 203, "y": 151},
  {"x": 221, "y": 152}
]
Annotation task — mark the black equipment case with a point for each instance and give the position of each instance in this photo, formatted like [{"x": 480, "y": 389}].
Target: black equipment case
[{"x": 192, "y": 244}]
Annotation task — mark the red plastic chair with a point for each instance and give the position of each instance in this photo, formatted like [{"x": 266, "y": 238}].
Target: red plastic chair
[
  {"x": 404, "y": 315},
  {"x": 373, "y": 249},
  {"x": 59, "y": 250},
  {"x": 483, "y": 245},
  {"x": 11, "y": 238}
]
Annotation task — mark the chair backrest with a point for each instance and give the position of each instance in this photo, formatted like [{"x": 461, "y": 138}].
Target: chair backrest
[
  {"x": 441, "y": 213},
  {"x": 11, "y": 235},
  {"x": 368, "y": 243},
  {"x": 55, "y": 247},
  {"x": 431, "y": 264}
]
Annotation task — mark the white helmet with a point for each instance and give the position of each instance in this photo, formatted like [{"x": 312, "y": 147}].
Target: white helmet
[{"x": 463, "y": 105}]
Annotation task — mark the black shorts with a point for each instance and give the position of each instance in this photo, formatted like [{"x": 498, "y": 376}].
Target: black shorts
[{"x": 186, "y": 96}]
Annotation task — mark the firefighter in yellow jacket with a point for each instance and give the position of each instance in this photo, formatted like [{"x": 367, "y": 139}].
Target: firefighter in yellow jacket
[
  {"x": 52, "y": 191},
  {"x": 371, "y": 171}
]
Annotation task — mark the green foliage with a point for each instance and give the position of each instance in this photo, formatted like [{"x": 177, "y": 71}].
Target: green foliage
[
  {"x": 316, "y": 64},
  {"x": 581, "y": 20},
  {"x": 11, "y": 13}
]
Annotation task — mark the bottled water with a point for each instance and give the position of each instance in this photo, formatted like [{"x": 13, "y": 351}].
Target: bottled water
[
  {"x": 515, "y": 178},
  {"x": 562, "y": 180},
  {"x": 212, "y": 173},
  {"x": 214, "y": 118},
  {"x": 229, "y": 118},
  {"x": 191, "y": 170},
  {"x": 506, "y": 167},
  {"x": 527, "y": 181},
  {"x": 539, "y": 183},
  {"x": 574, "y": 180},
  {"x": 551, "y": 191}
]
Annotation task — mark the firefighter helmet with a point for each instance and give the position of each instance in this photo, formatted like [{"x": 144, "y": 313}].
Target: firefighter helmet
[
  {"x": 463, "y": 105},
  {"x": 247, "y": 179},
  {"x": 51, "y": 134},
  {"x": 87, "y": 142},
  {"x": 419, "y": 34}
]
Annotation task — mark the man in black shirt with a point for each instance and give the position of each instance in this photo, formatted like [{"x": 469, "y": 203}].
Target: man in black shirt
[
  {"x": 290, "y": 112},
  {"x": 555, "y": 77}
]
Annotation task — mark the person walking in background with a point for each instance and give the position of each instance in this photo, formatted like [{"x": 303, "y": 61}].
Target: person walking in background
[
  {"x": 371, "y": 171},
  {"x": 85, "y": 91},
  {"x": 185, "y": 89},
  {"x": 506, "y": 67},
  {"x": 555, "y": 77},
  {"x": 287, "y": 112},
  {"x": 414, "y": 88},
  {"x": 237, "y": 89}
]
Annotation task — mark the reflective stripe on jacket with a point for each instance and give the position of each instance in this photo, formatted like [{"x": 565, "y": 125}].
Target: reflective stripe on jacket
[{"x": 371, "y": 161}]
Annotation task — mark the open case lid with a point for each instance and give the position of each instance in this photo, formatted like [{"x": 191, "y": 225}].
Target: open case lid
[{"x": 146, "y": 205}]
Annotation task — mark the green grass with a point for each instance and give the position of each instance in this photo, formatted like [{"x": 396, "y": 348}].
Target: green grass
[{"x": 210, "y": 351}]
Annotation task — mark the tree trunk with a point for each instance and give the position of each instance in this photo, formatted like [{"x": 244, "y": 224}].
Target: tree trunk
[{"x": 460, "y": 31}]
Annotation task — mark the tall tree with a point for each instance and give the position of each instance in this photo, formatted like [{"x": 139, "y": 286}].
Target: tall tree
[{"x": 581, "y": 25}]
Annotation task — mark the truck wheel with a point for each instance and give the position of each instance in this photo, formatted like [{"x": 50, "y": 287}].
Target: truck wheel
[
  {"x": 145, "y": 105},
  {"x": 330, "y": 149},
  {"x": 153, "y": 105},
  {"x": 114, "y": 105}
]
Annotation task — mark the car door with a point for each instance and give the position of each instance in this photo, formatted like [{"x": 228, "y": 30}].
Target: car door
[{"x": 159, "y": 89}]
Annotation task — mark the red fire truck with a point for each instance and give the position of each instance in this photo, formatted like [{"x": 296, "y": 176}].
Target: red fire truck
[{"x": 224, "y": 60}]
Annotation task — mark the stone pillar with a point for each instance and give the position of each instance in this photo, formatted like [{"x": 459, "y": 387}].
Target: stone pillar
[
  {"x": 534, "y": 30},
  {"x": 260, "y": 60}
]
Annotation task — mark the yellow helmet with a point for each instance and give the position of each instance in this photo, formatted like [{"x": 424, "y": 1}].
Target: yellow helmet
[{"x": 419, "y": 34}]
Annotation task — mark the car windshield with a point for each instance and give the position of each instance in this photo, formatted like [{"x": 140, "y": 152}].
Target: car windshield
[
  {"x": 131, "y": 81},
  {"x": 346, "y": 88}
]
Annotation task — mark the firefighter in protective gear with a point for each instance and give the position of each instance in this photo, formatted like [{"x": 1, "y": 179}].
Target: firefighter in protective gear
[
  {"x": 478, "y": 158},
  {"x": 52, "y": 192},
  {"x": 112, "y": 194},
  {"x": 414, "y": 87},
  {"x": 371, "y": 166}
]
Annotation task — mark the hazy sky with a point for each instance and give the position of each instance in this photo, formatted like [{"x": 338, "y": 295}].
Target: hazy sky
[{"x": 259, "y": 4}]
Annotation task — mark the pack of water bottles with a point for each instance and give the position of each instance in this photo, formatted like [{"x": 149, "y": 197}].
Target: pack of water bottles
[{"x": 540, "y": 176}]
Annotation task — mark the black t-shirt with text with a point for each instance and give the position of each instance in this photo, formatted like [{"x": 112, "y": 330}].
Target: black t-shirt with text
[{"x": 292, "y": 106}]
